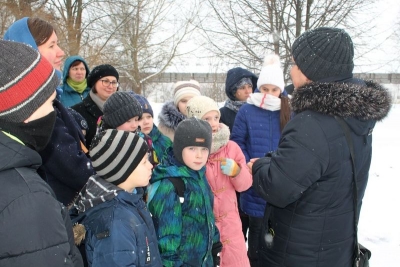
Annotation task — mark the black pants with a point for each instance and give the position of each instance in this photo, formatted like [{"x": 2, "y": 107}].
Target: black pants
[{"x": 255, "y": 231}]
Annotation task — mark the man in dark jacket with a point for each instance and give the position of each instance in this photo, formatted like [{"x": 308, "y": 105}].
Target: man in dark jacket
[
  {"x": 35, "y": 228},
  {"x": 308, "y": 180}
]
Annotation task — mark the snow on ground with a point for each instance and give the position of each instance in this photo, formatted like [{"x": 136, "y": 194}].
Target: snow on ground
[{"x": 379, "y": 227}]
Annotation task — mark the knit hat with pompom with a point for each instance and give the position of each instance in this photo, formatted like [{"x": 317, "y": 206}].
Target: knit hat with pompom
[{"x": 271, "y": 72}]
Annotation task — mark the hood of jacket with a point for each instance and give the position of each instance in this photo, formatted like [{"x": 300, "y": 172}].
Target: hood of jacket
[
  {"x": 67, "y": 64},
  {"x": 233, "y": 76},
  {"x": 360, "y": 104},
  {"x": 170, "y": 167},
  {"x": 14, "y": 154},
  {"x": 170, "y": 116},
  {"x": 95, "y": 192},
  {"x": 19, "y": 32}
]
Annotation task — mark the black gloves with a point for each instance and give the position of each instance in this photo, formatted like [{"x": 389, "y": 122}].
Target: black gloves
[{"x": 216, "y": 249}]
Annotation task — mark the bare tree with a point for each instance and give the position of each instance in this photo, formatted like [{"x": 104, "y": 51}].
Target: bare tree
[
  {"x": 70, "y": 22},
  {"x": 248, "y": 29},
  {"x": 145, "y": 37}
]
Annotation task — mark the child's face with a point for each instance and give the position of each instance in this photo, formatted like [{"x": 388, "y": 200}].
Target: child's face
[
  {"x": 183, "y": 103},
  {"x": 212, "y": 117},
  {"x": 130, "y": 126},
  {"x": 146, "y": 123},
  {"x": 270, "y": 89},
  {"x": 139, "y": 177},
  {"x": 195, "y": 157}
]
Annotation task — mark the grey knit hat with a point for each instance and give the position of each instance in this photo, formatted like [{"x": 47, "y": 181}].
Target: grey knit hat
[
  {"x": 191, "y": 132},
  {"x": 116, "y": 154},
  {"x": 324, "y": 53},
  {"x": 119, "y": 108},
  {"x": 27, "y": 80}
]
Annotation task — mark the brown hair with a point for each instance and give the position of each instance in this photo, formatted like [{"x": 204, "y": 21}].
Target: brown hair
[
  {"x": 285, "y": 111},
  {"x": 41, "y": 30},
  {"x": 76, "y": 63}
]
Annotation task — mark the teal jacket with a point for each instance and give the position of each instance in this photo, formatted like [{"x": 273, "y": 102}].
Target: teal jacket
[
  {"x": 71, "y": 97},
  {"x": 186, "y": 231}
]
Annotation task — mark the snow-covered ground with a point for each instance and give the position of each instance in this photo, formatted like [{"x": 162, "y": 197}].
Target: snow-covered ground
[{"x": 379, "y": 227}]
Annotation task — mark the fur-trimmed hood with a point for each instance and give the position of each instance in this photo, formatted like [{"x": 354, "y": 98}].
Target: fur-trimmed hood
[
  {"x": 363, "y": 101},
  {"x": 170, "y": 115}
]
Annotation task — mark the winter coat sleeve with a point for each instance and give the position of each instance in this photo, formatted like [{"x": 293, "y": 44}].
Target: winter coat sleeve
[
  {"x": 240, "y": 132},
  {"x": 243, "y": 180},
  {"x": 166, "y": 211},
  {"x": 299, "y": 162},
  {"x": 38, "y": 235},
  {"x": 66, "y": 160}
]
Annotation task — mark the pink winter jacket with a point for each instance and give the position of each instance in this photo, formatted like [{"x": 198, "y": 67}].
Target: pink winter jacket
[{"x": 234, "y": 251}]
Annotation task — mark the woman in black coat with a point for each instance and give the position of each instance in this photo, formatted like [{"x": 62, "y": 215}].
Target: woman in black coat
[
  {"x": 308, "y": 181},
  {"x": 103, "y": 81}
]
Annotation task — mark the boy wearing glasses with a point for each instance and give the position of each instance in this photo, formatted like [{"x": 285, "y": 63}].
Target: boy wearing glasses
[{"x": 103, "y": 81}]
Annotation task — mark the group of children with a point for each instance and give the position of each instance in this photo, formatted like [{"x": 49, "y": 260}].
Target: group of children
[{"x": 190, "y": 215}]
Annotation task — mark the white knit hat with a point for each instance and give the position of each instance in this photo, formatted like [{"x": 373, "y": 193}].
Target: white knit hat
[
  {"x": 185, "y": 88},
  {"x": 271, "y": 72},
  {"x": 198, "y": 106}
]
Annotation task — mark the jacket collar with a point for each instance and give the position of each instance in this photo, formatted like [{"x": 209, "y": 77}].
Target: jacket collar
[{"x": 350, "y": 99}]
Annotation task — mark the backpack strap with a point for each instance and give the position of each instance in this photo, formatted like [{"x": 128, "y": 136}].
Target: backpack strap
[{"x": 179, "y": 187}]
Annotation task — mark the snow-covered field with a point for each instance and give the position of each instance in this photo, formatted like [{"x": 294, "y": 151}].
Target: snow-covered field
[{"x": 379, "y": 227}]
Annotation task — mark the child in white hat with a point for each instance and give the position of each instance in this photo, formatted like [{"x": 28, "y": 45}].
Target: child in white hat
[{"x": 257, "y": 130}]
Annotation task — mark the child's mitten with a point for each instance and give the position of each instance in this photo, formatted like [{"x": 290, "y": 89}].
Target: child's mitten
[{"x": 229, "y": 167}]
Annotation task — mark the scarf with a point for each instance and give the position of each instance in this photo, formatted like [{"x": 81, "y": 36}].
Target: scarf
[
  {"x": 97, "y": 100},
  {"x": 79, "y": 87},
  {"x": 234, "y": 105},
  {"x": 35, "y": 134},
  {"x": 220, "y": 138},
  {"x": 265, "y": 101}
]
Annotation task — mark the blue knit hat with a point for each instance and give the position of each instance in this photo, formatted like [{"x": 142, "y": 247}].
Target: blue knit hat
[{"x": 146, "y": 107}]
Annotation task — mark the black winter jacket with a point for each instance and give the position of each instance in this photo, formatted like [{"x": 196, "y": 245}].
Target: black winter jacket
[
  {"x": 66, "y": 168},
  {"x": 227, "y": 117},
  {"x": 35, "y": 228},
  {"x": 91, "y": 112},
  {"x": 308, "y": 180}
]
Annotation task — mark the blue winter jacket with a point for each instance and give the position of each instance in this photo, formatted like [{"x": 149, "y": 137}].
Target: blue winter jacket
[
  {"x": 71, "y": 97},
  {"x": 119, "y": 231},
  {"x": 256, "y": 131}
]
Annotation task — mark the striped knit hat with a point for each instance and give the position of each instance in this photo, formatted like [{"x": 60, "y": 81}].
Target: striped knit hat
[
  {"x": 116, "y": 154},
  {"x": 185, "y": 88},
  {"x": 26, "y": 81}
]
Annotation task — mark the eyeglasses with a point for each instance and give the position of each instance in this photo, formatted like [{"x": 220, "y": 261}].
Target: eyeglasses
[
  {"x": 292, "y": 63},
  {"x": 106, "y": 83}
]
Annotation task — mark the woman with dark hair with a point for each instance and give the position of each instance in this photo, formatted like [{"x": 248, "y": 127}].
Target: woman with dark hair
[
  {"x": 66, "y": 168},
  {"x": 103, "y": 81},
  {"x": 75, "y": 87}
]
